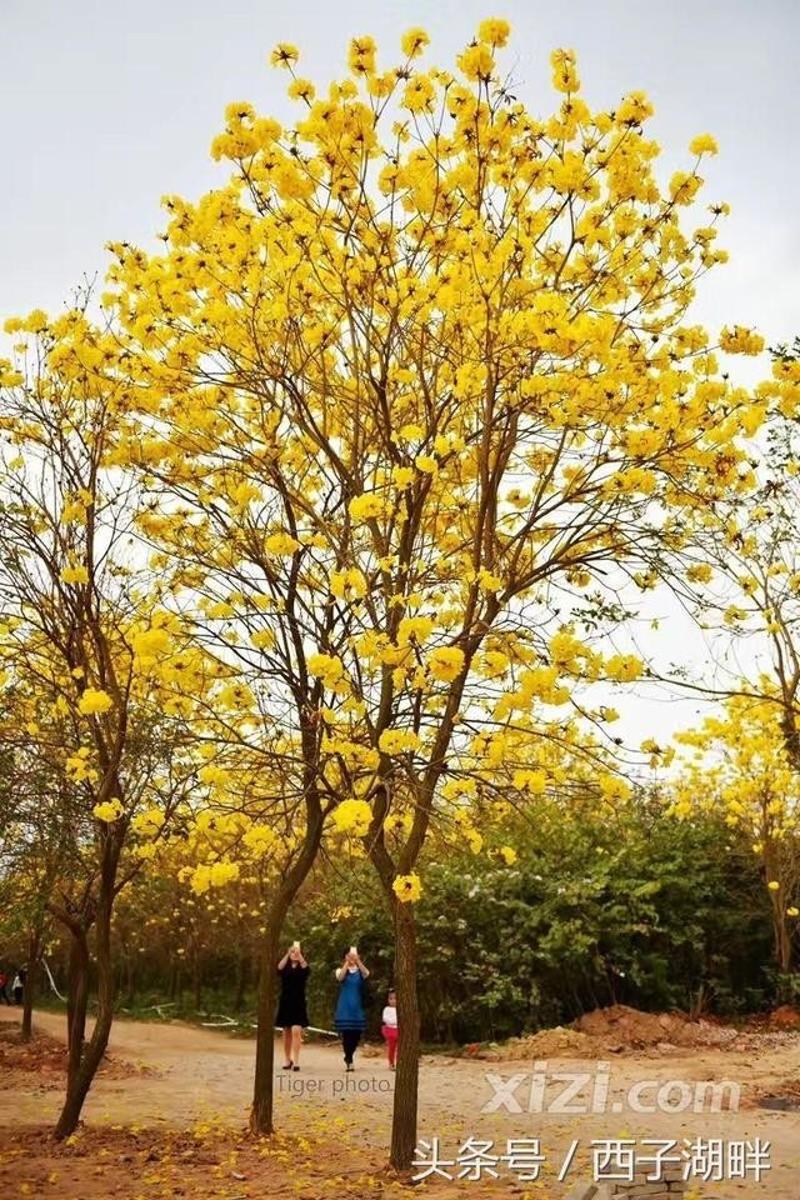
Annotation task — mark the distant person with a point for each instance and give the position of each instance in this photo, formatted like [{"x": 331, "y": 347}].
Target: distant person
[
  {"x": 18, "y": 986},
  {"x": 350, "y": 1019},
  {"x": 292, "y": 1015},
  {"x": 3, "y": 992},
  {"x": 389, "y": 1028}
]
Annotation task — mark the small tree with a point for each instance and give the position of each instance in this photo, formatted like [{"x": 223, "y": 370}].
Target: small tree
[
  {"x": 743, "y": 770},
  {"x": 79, "y": 643},
  {"x": 739, "y": 574}
]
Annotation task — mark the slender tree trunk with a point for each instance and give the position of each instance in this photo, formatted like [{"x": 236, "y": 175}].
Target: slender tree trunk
[
  {"x": 783, "y": 940},
  {"x": 406, "y": 1088},
  {"x": 781, "y": 935},
  {"x": 34, "y": 947},
  {"x": 261, "y": 1118},
  {"x": 77, "y": 1000},
  {"x": 261, "y": 1115},
  {"x": 85, "y": 1058}
]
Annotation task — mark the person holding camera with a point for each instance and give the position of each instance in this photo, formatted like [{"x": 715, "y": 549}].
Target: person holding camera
[
  {"x": 292, "y": 1015},
  {"x": 350, "y": 1019}
]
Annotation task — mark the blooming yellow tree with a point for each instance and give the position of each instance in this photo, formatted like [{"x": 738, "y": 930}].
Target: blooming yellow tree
[
  {"x": 94, "y": 731},
  {"x": 741, "y": 573},
  {"x": 415, "y": 399},
  {"x": 741, "y": 577},
  {"x": 740, "y": 764}
]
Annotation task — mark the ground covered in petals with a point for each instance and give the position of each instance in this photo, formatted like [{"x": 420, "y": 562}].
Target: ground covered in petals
[{"x": 169, "y": 1119}]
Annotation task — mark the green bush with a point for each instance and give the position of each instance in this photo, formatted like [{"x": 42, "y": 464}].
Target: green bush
[{"x": 658, "y": 914}]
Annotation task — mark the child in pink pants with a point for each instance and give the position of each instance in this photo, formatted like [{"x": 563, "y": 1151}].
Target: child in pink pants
[{"x": 389, "y": 1029}]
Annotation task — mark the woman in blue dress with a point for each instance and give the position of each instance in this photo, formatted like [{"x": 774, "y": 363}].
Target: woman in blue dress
[{"x": 350, "y": 1019}]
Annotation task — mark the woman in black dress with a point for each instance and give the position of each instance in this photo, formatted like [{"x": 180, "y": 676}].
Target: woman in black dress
[{"x": 292, "y": 1012}]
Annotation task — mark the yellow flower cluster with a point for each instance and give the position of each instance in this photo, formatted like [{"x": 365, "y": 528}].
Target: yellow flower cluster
[
  {"x": 330, "y": 669},
  {"x": 150, "y": 645},
  {"x": 79, "y": 767},
  {"x": 108, "y": 811},
  {"x": 407, "y": 888},
  {"x": 624, "y": 668},
  {"x": 215, "y": 875},
  {"x": 74, "y": 575},
  {"x": 260, "y": 840},
  {"x": 349, "y": 584},
  {"x": 94, "y": 701},
  {"x": 740, "y": 340},
  {"x": 445, "y": 663},
  {"x": 614, "y": 789},
  {"x": 398, "y": 741},
  {"x": 534, "y": 782},
  {"x": 365, "y": 507},
  {"x": 414, "y": 630},
  {"x": 352, "y": 816},
  {"x": 149, "y": 823},
  {"x": 281, "y": 544}
]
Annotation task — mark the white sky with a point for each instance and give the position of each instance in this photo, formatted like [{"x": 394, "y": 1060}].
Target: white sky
[{"x": 106, "y": 106}]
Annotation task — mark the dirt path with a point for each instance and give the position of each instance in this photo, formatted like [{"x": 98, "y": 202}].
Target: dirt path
[{"x": 202, "y": 1076}]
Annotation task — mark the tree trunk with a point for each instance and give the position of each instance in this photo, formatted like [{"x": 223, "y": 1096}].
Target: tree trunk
[
  {"x": 783, "y": 939},
  {"x": 406, "y": 1088},
  {"x": 34, "y": 946},
  {"x": 781, "y": 934},
  {"x": 261, "y": 1119},
  {"x": 261, "y": 1116},
  {"x": 84, "y": 1059},
  {"x": 77, "y": 1000}
]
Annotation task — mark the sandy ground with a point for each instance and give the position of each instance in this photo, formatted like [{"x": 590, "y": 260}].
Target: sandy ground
[{"x": 197, "y": 1080}]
